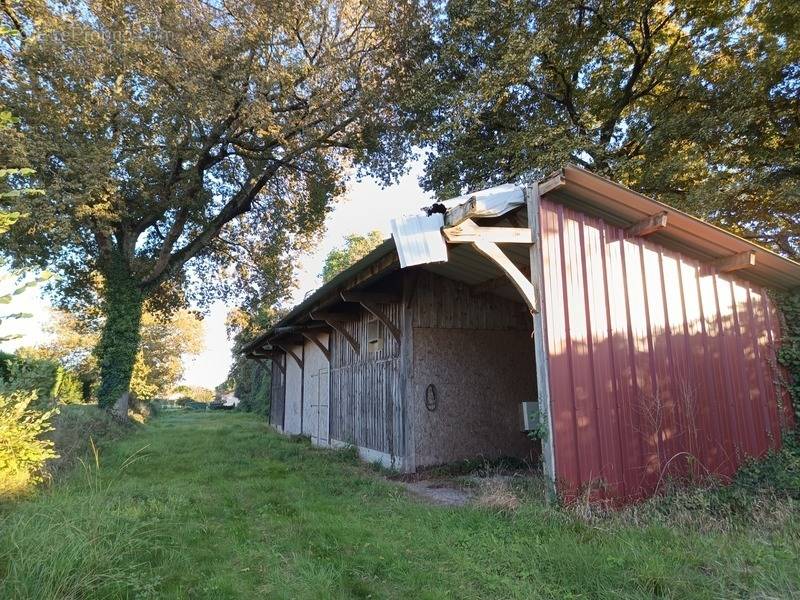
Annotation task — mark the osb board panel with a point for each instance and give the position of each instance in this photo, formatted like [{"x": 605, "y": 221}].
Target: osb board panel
[
  {"x": 445, "y": 303},
  {"x": 294, "y": 386},
  {"x": 658, "y": 366},
  {"x": 316, "y": 378},
  {"x": 481, "y": 377},
  {"x": 365, "y": 387}
]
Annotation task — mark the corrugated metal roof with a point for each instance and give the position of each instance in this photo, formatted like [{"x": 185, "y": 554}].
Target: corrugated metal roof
[
  {"x": 587, "y": 192},
  {"x": 621, "y": 206},
  {"x": 491, "y": 202}
]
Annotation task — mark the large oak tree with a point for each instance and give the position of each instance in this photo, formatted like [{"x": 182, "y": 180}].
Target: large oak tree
[
  {"x": 188, "y": 146},
  {"x": 696, "y": 102}
]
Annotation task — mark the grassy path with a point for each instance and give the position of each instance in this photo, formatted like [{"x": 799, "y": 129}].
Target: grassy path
[{"x": 215, "y": 506}]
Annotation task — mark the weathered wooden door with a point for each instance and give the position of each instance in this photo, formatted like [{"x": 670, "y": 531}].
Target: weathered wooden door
[{"x": 320, "y": 403}]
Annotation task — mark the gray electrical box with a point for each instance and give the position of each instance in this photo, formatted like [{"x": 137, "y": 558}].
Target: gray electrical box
[{"x": 530, "y": 416}]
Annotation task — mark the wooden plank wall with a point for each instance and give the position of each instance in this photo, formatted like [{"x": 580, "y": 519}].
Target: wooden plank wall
[
  {"x": 277, "y": 397},
  {"x": 448, "y": 304},
  {"x": 365, "y": 395}
]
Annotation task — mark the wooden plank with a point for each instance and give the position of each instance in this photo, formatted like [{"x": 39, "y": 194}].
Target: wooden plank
[
  {"x": 553, "y": 182},
  {"x": 462, "y": 212},
  {"x": 533, "y": 200},
  {"x": 314, "y": 336},
  {"x": 743, "y": 260},
  {"x": 647, "y": 226},
  {"x": 469, "y": 232},
  {"x": 523, "y": 284}
]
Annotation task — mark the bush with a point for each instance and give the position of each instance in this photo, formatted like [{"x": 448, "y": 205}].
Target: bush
[
  {"x": 75, "y": 429},
  {"x": 23, "y": 451},
  {"x": 49, "y": 380}
]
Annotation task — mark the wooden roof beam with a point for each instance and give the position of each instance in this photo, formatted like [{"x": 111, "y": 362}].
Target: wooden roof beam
[
  {"x": 468, "y": 232},
  {"x": 735, "y": 262},
  {"x": 649, "y": 225}
]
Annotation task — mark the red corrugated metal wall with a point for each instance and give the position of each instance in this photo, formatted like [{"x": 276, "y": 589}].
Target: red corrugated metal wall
[{"x": 657, "y": 365}]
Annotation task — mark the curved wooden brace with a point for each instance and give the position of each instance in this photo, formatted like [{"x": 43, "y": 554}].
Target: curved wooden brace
[
  {"x": 312, "y": 336},
  {"x": 383, "y": 318},
  {"x": 290, "y": 352},
  {"x": 273, "y": 356},
  {"x": 337, "y": 324},
  {"x": 369, "y": 302},
  {"x": 523, "y": 284}
]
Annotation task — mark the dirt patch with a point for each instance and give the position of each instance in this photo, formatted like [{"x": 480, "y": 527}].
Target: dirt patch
[{"x": 438, "y": 492}]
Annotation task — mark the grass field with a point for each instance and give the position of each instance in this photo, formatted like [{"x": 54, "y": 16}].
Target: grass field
[{"x": 206, "y": 505}]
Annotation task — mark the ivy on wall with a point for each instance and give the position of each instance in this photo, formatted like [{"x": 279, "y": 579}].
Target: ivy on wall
[{"x": 789, "y": 352}]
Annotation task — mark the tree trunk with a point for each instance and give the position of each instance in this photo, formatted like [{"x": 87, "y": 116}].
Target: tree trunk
[{"x": 122, "y": 306}]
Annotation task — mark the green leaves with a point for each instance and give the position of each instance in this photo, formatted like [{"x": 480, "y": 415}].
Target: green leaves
[{"x": 692, "y": 102}]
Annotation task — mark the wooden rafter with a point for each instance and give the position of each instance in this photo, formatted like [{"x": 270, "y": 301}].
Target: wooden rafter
[
  {"x": 468, "y": 232},
  {"x": 313, "y": 335},
  {"x": 649, "y": 225},
  {"x": 336, "y": 322},
  {"x": 370, "y": 303},
  {"x": 743, "y": 260},
  {"x": 521, "y": 282}
]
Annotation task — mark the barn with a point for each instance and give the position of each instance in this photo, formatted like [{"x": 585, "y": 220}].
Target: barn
[{"x": 572, "y": 320}]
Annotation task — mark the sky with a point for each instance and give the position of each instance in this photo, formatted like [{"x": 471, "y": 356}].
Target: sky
[{"x": 364, "y": 207}]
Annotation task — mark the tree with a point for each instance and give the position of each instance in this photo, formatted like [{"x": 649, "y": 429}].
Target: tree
[
  {"x": 158, "y": 365},
  {"x": 694, "y": 102},
  {"x": 250, "y": 380},
  {"x": 189, "y": 147},
  {"x": 355, "y": 247}
]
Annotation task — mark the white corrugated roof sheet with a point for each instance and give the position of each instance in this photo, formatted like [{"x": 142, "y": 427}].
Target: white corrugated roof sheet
[{"x": 419, "y": 239}]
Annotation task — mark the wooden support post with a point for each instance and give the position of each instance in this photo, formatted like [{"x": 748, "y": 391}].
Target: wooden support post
[
  {"x": 336, "y": 322},
  {"x": 313, "y": 336},
  {"x": 369, "y": 302},
  {"x": 522, "y": 283},
  {"x": 468, "y": 232},
  {"x": 648, "y": 225},
  {"x": 533, "y": 201},
  {"x": 743, "y": 260}
]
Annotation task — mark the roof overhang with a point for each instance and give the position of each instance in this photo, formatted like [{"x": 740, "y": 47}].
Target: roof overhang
[
  {"x": 595, "y": 195},
  {"x": 571, "y": 186}
]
